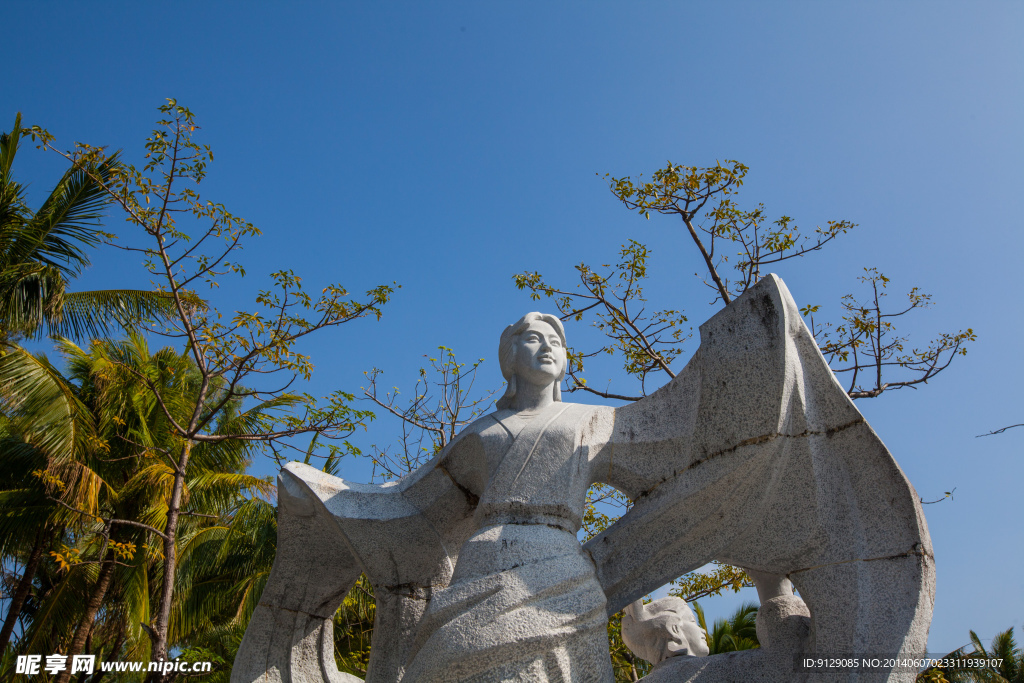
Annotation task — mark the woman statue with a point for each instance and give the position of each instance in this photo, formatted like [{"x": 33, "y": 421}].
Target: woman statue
[
  {"x": 524, "y": 603},
  {"x": 752, "y": 455}
]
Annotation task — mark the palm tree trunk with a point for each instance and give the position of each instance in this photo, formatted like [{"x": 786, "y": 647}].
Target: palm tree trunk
[
  {"x": 158, "y": 649},
  {"x": 114, "y": 650},
  {"x": 43, "y": 537},
  {"x": 92, "y": 608}
]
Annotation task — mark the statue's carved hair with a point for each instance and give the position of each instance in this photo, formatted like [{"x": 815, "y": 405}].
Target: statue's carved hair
[{"x": 507, "y": 354}]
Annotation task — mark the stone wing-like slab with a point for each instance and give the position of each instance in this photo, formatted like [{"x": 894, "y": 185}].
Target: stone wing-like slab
[{"x": 754, "y": 455}]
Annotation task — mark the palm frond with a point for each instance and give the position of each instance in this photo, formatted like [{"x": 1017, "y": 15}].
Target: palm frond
[
  {"x": 82, "y": 486},
  {"x": 60, "y": 610},
  {"x": 8, "y": 148},
  {"x": 22, "y": 513},
  {"x": 153, "y": 482},
  {"x": 130, "y": 597},
  {"x": 103, "y": 313},
  {"x": 225, "y": 486},
  {"x": 44, "y": 405},
  {"x": 13, "y": 211},
  {"x": 40, "y": 250},
  {"x": 30, "y": 293}
]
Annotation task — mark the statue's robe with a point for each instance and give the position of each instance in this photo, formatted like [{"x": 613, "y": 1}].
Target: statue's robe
[
  {"x": 524, "y": 603},
  {"x": 752, "y": 455}
]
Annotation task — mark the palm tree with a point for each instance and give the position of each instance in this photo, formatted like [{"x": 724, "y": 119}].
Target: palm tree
[
  {"x": 738, "y": 632},
  {"x": 44, "y": 427},
  {"x": 1004, "y": 660},
  {"x": 42, "y": 250},
  {"x": 1001, "y": 662},
  {"x": 27, "y": 531},
  {"x": 221, "y": 576},
  {"x": 109, "y": 486}
]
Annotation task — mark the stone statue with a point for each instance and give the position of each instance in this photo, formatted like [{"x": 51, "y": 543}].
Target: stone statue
[
  {"x": 661, "y": 629},
  {"x": 752, "y": 455}
]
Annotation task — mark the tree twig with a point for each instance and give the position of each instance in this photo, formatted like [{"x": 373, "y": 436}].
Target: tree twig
[{"x": 999, "y": 431}]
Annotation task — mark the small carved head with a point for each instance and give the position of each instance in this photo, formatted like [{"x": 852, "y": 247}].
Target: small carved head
[
  {"x": 532, "y": 349},
  {"x": 662, "y": 629}
]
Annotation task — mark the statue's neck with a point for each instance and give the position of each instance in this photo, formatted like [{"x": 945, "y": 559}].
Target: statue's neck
[{"x": 532, "y": 397}]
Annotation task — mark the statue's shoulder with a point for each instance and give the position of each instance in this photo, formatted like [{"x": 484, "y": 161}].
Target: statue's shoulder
[
  {"x": 504, "y": 423},
  {"x": 478, "y": 431},
  {"x": 485, "y": 423},
  {"x": 570, "y": 409},
  {"x": 584, "y": 413},
  {"x": 599, "y": 410}
]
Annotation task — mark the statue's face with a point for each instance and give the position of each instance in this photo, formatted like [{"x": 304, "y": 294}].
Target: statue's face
[
  {"x": 540, "y": 356},
  {"x": 696, "y": 640}
]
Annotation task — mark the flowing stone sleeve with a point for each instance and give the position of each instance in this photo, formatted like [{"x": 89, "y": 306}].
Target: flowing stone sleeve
[
  {"x": 754, "y": 455},
  {"x": 404, "y": 535}
]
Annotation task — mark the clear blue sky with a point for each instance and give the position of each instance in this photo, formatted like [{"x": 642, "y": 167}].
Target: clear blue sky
[{"x": 448, "y": 146}]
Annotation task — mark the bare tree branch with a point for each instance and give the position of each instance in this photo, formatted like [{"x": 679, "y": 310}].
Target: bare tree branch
[{"x": 999, "y": 431}]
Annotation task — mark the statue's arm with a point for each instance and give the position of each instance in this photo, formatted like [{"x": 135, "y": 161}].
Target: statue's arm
[
  {"x": 290, "y": 637},
  {"x": 609, "y": 453},
  {"x": 403, "y": 535},
  {"x": 635, "y": 447}
]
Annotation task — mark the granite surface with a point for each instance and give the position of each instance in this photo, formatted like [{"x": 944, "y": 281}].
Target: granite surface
[{"x": 753, "y": 455}]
